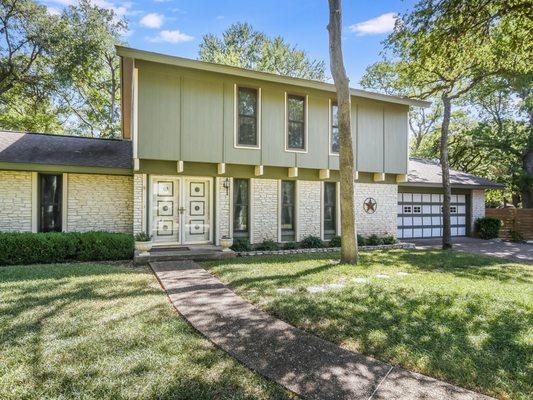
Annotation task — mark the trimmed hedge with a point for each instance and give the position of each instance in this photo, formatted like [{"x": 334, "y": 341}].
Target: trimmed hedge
[
  {"x": 488, "y": 227},
  {"x": 41, "y": 248}
]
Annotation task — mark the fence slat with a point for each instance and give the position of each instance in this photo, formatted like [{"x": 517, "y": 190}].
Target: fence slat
[{"x": 513, "y": 219}]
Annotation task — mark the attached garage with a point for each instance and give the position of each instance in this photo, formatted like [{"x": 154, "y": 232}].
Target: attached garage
[{"x": 420, "y": 201}]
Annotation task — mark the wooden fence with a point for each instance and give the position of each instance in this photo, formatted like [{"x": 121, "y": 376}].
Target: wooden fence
[{"x": 513, "y": 219}]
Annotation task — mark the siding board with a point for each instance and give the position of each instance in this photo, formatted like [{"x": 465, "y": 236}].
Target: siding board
[
  {"x": 395, "y": 140},
  {"x": 369, "y": 146}
]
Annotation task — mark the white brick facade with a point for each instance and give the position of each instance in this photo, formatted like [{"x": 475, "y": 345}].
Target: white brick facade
[
  {"x": 100, "y": 203},
  {"x": 265, "y": 200},
  {"x": 309, "y": 208},
  {"x": 383, "y": 221},
  {"x": 15, "y": 201},
  {"x": 477, "y": 209},
  {"x": 224, "y": 205},
  {"x": 139, "y": 203}
]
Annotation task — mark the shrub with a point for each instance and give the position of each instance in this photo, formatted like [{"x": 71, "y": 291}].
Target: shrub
[
  {"x": 516, "y": 236},
  {"x": 373, "y": 240},
  {"x": 311, "y": 242},
  {"x": 335, "y": 241},
  {"x": 268, "y": 245},
  {"x": 241, "y": 244},
  {"x": 388, "y": 239},
  {"x": 290, "y": 246},
  {"x": 143, "y": 237},
  {"x": 50, "y": 247},
  {"x": 361, "y": 241},
  {"x": 488, "y": 227}
]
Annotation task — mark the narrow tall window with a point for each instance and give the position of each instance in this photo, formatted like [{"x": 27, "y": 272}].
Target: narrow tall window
[
  {"x": 50, "y": 207},
  {"x": 334, "y": 128},
  {"x": 247, "y": 110},
  {"x": 288, "y": 211},
  {"x": 330, "y": 210},
  {"x": 296, "y": 122},
  {"x": 241, "y": 208}
]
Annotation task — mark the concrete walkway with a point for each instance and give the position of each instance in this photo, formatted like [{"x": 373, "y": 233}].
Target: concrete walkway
[
  {"x": 303, "y": 363},
  {"x": 513, "y": 251}
]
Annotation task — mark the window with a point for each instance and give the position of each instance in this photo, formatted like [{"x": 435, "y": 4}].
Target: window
[
  {"x": 417, "y": 209},
  {"x": 50, "y": 197},
  {"x": 407, "y": 209},
  {"x": 241, "y": 207},
  {"x": 288, "y": 189},
  {"x": 453, "y": 209},
  {"x": 247, "y": 117},
  {"x": 330, "y": 210},
  {"x": 296, "y": 122},
  {"x": 334, "y": 140}
]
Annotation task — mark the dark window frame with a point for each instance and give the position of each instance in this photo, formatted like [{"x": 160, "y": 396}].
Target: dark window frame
[
  {"x": 329, "y": 233},
  {"x": 288, "y": 235},
  {"x": 245, "y": 116},
  {"x": 58, "y": 204},
  {"x": 241, "y": 233},
  {"x": 302, "y": 122},
  {"x": 332, "y": 127}
]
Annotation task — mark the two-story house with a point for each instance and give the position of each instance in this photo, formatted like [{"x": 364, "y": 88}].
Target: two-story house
[{"x": 213, "y": 151}]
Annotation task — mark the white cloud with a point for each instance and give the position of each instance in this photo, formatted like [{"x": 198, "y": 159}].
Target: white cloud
[
  {"x": 171, "y": 37},
  {"x": 152, "y": 20},
  {"x": 220, "y": 17},
  {"x": 375, "y": 26},
  {"x": 53, "y": 10}
]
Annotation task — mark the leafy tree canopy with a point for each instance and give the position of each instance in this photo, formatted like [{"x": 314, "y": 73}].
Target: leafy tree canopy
[{"x": 242, "y": 46}]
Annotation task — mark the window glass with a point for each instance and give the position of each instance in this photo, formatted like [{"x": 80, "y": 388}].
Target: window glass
[
  {"x": 334, "y": 128},
  {"x": 50, "y": 197},
  {"x": 287, "y": 211},
  {"x": 241, "y": 194},
  {"x": 247, "y": 132},
  {"x": 296, "y": 122},
  {"x": 330, "y": 210}
]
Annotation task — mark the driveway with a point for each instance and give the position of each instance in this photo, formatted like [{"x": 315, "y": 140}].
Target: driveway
[{"x": 513, "y": 251}]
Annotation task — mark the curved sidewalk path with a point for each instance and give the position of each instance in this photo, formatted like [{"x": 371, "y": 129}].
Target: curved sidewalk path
[{"x": 303, "y": 363}]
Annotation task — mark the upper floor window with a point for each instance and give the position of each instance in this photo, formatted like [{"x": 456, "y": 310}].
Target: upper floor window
[
  {"x": 295, "y": 122},
  {"x": 247, "y": 117},
  {"x": 334, "y": 140}
]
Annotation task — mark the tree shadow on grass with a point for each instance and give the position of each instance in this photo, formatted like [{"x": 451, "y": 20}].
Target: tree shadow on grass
[{"x": 459, "y": 339}]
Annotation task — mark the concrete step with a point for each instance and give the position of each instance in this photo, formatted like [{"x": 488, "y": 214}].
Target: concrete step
[{"x": 181, "y": 255}]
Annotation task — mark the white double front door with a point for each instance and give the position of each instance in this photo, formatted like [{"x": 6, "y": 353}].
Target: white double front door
[{"x": 181, "y": 209}]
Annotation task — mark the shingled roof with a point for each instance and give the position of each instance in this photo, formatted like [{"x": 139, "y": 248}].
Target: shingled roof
[
  {"x": 428, "y": 173},
  {"x": 38, "y": 148}
]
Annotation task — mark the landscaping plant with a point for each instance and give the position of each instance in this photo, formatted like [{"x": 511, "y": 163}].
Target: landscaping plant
[
  {"x": 311, "y": 242},
  {"x": 488, "y": 227}
]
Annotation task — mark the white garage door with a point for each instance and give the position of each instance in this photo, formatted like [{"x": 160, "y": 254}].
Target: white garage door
[{"x": 420, "y": 215}]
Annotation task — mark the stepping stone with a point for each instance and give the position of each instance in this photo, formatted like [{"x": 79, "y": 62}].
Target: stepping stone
[
  {"x": 382, "y": 276},
  {"x": 401, "y": 273},
  {"x": 323, "y": 288},
  {"x": 287, "y": 290},
  {"x": 360, "y": 280}
]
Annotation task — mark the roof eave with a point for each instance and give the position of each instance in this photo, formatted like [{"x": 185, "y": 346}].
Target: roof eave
[
  {"x": 453, "y": 185},
  {"x": 246, "y": 73}
]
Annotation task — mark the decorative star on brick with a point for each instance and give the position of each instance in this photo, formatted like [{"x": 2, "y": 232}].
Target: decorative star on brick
[{"x": 370, "y": 205}]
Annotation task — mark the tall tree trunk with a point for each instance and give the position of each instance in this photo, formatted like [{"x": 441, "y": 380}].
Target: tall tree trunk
[
  {"x": 347, "y": 173},
  {"x": 527, "y": 166},
  {"x": 445, "y": 165}
]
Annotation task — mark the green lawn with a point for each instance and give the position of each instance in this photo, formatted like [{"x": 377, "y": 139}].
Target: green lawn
[
  {"x": 463, "y": 318},
  {"x": 86, "y": 331}
]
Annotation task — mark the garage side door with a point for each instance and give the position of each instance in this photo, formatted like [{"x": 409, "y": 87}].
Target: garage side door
[{"x": 420, "y": 215}]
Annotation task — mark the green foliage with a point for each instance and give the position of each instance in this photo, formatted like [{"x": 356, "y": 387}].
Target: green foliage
[
  {"x": 268, "y": 245},
  {"x": 143, "y": 237},
  {"x": 311, "y": 242},
  {"x": 516, "y": 236},
  {"x": 242, "y": 46},
  {"x": 335, "y": 241},
  {"x": 290, "y": 246},
  {"x": 34, "y": 248},
  {"x": 488, "y": 227},
  {"x": 361, "y": 241},
  {"x": 374, "y": 240},
  {"x": 241, "y": 244},
  {"x": 388, "y": 239}
]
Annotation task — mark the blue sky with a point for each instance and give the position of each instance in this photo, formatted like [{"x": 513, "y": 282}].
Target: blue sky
[{"x": 176, "y": 26}]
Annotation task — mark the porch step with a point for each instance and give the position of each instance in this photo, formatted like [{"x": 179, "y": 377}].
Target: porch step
[{"x": 181, "y": 254}]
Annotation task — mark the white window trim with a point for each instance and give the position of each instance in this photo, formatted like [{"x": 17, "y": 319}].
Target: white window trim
[
  {"x": 296, "y": 212},
  {"x": 306, "y": 124},
  {"x": 322, "y": 191},
  {"x": 330, "y": 130},
  {"x": 64, "y": 203},
  {"x": 236, "y": 118},
  {"x": 34, "y": 202},
  {"x": 338, "y": 226}
]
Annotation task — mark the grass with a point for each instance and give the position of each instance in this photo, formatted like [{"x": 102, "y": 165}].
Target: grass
[
  {"x": 463, "y": 318},
  {"x": 96, "y": 331}
]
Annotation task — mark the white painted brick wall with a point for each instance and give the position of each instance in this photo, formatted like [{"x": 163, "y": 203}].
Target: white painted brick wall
[
  {"x": 383, "y": 221},
  {"x": 477, "y": 206},
  {"x": 15, "y": 201},
  {"x": 100, "y": 203},
  {"x": 309, "y": 208},
  {"x": 264, "y": 210},
  {"x": 224, "y": 205},
  {"x": 139, "y": 202}
]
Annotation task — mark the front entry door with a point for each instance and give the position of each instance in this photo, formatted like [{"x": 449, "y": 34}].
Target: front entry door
[
  {"x": 181, "y": 210},
  {"x": 165, "y": 210}
]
